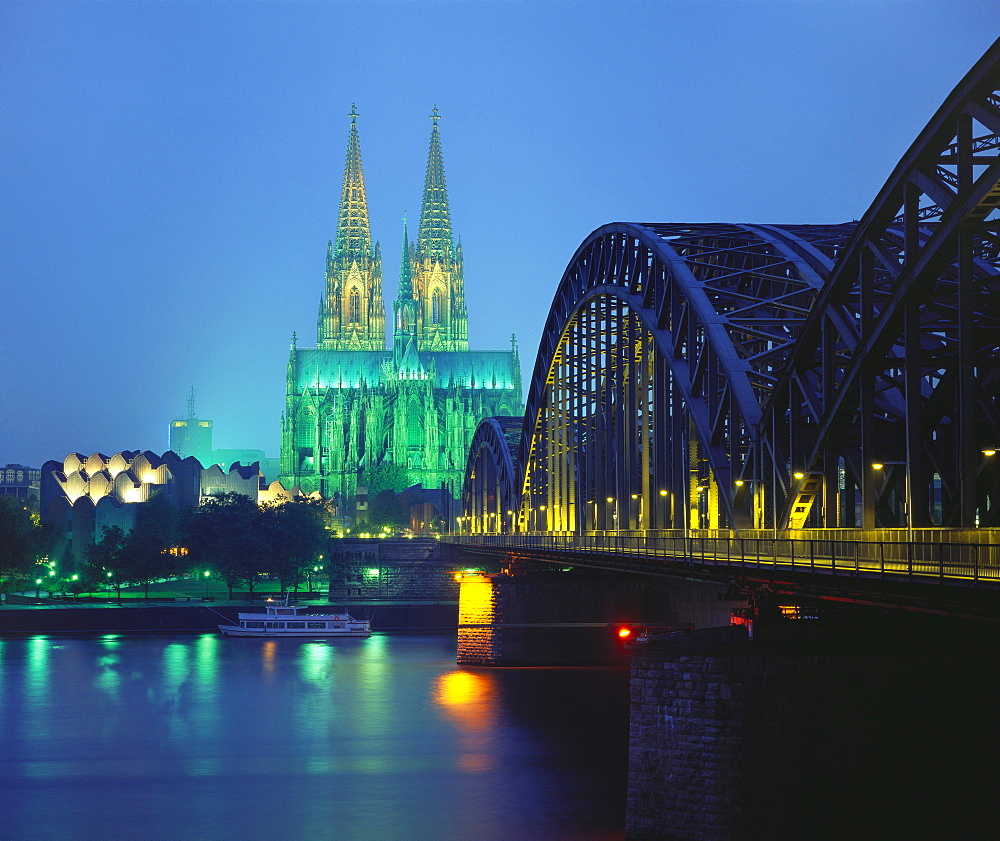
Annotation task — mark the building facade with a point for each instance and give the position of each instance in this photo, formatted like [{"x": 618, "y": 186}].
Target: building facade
[
  {"x": 20, "y": 482},
  {"x": 191, "y": 435},
  {"x": 82, "y": 495},
  {"x": 359, "y": 411}
]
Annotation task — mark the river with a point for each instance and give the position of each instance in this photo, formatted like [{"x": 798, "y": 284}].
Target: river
[{"x": 193, "y": 736}]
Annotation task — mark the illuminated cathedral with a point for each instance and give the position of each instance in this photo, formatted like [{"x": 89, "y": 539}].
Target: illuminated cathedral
[{"x": 361, "y": 413}]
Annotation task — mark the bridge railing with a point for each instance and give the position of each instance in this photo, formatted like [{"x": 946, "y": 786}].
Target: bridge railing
[{"x": 957, "y": 560}]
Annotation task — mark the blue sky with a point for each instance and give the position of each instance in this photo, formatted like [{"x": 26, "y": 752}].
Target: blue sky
[{"x": 171, "y": 170}]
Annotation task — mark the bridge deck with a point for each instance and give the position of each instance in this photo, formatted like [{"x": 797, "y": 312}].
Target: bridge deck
[{"x": 972, "y": 560}]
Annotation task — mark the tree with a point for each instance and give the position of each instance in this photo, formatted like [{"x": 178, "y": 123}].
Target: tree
[
  {"x": 296, "y": 534},
  {"x": 386, "y": 509},
  {"x": 386, "y": 476},
  {"x": 147, "y": 555},
  {"x": 23, "y": 540},
  {"x": 106, "y": 560},
  {"x": 227, "y": 533}
]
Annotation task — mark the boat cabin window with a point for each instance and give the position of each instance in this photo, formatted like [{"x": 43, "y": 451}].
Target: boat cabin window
[
  {"x": 337, "y": 625},
  {"x": 286, "y": 611},
  {"x": 295, "y": 624},
  {"x": 252, "y": 624},
  {"x": 275, "y": 624},
  {"x": 316, "y": 624}
]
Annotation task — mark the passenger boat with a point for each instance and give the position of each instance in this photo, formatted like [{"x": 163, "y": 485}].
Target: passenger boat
[{"x": 284, "y": 620}]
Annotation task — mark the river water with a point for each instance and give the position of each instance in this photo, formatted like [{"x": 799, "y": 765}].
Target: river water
[{"x": 193, "y": 736}]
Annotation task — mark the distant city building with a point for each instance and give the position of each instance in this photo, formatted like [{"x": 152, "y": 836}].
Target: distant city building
[
  {"x": 21, "y": 482},
  {"x": 82, "y": 495},
  {"x": 191, "y": 435},
  {"x": 270, "y": 467},
  {"x": 359, "y": 413}
]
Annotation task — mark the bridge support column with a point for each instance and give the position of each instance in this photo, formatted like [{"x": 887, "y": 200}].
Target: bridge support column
[
  {"x": 886, "y": 732},
  {"x": 553, "y": 618}
]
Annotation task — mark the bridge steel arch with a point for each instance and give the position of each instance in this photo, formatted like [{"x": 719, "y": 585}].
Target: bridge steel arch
[
  {"x": 750, "y": 376},
  {"x": 491, "y": 475},
  {"x": 913, "y": 383}
]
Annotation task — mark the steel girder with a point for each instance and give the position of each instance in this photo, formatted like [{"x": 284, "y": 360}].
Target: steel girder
[
  {"x": 749, "y": 361},
  {"x": 491, "y": 477},
  {"x": 661, "y": 345},
  {"x": 912, "y": 384}
]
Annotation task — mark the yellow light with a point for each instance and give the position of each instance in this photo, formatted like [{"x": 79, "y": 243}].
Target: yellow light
[
  {"x": 611, "y": 499},
  {"x": 663, "y": 493},
  {"x": 877, "y": 465},
  {"x": 988, "y": 453},
  {"x": 799, "y": 475},
  {"x": 739, "y": 483}
]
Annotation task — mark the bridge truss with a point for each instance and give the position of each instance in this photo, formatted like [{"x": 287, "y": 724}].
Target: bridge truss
[{"x": 774, "y": 376}]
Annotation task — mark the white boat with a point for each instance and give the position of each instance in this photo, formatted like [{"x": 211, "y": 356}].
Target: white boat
[{"x": 284, "y": 620}]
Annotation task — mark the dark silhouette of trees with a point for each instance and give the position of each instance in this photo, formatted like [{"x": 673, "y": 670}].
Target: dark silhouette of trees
[
  {"x": 295, "y": 535},
  {"x": 147, "y": 548},
  {"x": 106, "y": 560},
  {"x": 224, "y": 532},
  {"x": 241, "y": 540},
  {"x": 23, "y": 540}
]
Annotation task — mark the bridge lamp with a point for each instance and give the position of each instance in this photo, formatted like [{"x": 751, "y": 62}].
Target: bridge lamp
[
  {"x": 799, "y": 475},
  {"x": 907, "y": 500},
  {"x": 989, "y": 452}
]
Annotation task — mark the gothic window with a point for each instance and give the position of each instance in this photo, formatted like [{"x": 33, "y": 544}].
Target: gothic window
[
  {"x": 436, "y": 307},
  {"x": 414, "y": 426},
  {"x": 354, "y": 307}
]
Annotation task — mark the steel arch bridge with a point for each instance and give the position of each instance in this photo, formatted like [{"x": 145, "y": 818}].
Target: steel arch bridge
[{"x": 780, "y": 377}]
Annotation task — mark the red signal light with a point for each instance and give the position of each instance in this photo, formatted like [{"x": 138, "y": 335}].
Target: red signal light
[{"x": 624, "y": 633}]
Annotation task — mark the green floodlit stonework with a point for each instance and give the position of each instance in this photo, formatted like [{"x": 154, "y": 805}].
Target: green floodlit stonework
[{"x": 357, "y": 407}]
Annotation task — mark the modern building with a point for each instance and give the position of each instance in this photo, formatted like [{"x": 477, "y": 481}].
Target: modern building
[
  {"x": 360, "y": 412},
  {"x": 82, "y": 495},
  {"x": 191, "y": 435}
]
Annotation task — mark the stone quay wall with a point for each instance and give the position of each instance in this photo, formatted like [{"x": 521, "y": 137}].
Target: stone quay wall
[{"x": 815, "y": 730}]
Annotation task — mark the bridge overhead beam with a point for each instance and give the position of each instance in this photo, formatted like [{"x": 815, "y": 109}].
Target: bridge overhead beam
[
  {"x": 917, "y": 387},
  {"x": 695, "y": 376}
]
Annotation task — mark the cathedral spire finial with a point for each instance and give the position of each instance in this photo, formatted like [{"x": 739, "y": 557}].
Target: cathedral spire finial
[
  {"x": 434, "y": 237},
  {"x": 405, "y": 276},
  {"x": 354, "y": 234}
]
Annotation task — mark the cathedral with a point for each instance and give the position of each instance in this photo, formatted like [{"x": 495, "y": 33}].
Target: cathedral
[{"x": 359, "y": 412}]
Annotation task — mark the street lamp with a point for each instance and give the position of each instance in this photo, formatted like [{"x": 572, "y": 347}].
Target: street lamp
[
  {"x": 907, "y": 499},
  {"x": 614, "y": 513},
  {"x": 639, "y": 498}
]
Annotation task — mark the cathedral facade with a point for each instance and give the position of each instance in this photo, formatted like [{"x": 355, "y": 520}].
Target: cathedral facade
[{"x": 361, "y": 412}]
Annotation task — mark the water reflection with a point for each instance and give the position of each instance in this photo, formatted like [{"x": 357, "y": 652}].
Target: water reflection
[{"x": 382, "y": 738}]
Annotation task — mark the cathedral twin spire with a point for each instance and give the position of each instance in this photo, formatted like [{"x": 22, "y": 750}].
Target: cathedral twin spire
[
  {"x": 430, "y": 307},
  {"x": 354, "y": 233}
]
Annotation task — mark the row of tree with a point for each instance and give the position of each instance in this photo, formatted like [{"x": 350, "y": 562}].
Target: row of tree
[
  {"x": 231, "y": 535},
  {"x": 24, "y": 540}
]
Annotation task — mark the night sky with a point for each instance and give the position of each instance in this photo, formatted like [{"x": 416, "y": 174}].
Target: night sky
[{"x": 171, "y": 170}]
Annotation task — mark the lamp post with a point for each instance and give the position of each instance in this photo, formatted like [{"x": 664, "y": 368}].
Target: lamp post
[
  {"x": 639, "y": 498},
  {"x": 907, "y": 499}
]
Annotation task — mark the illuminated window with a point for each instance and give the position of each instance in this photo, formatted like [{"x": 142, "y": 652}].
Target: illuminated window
[
  {"x": 436, "y": 308},
  {"x": 354, "y": 307},
  {"x": 316, "y": 624},
  {"x": 295, "y": 624}
]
